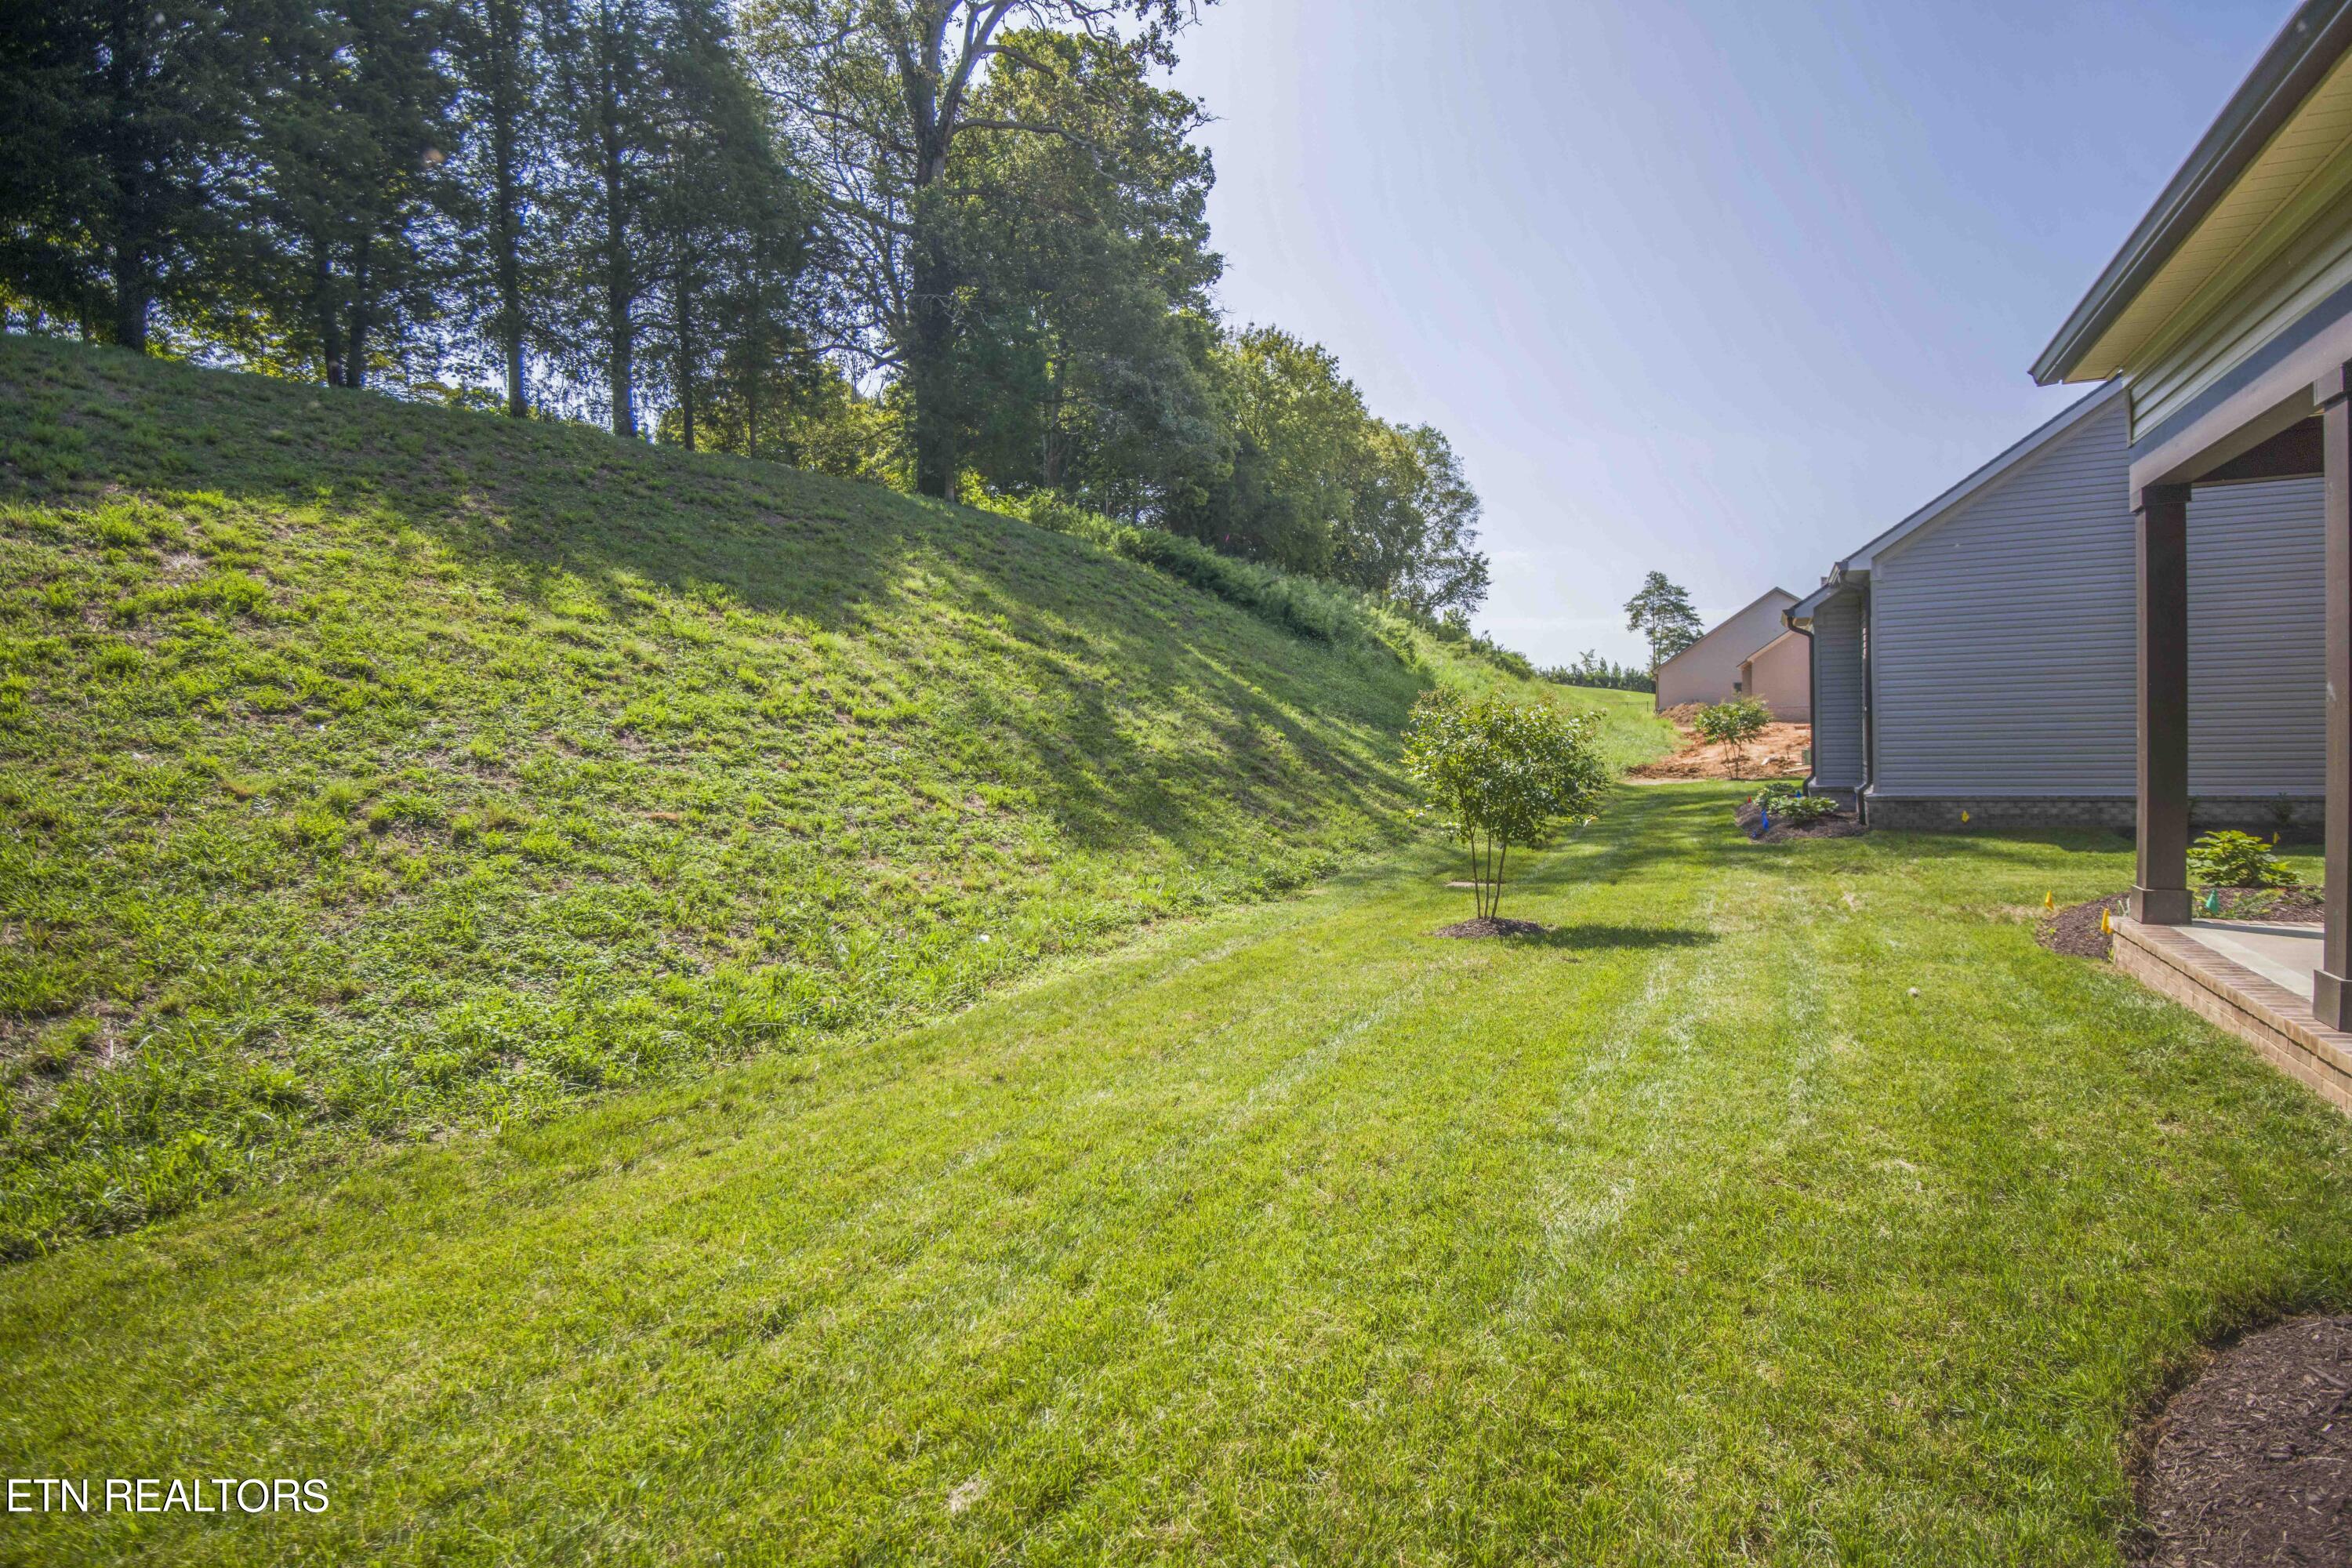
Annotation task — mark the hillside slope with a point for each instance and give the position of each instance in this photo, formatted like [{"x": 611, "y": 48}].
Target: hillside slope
[{"x": 369, "y": 770}]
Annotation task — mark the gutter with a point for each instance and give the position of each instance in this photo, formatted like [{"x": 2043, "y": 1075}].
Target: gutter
[{"x": 2302, "y": 55}]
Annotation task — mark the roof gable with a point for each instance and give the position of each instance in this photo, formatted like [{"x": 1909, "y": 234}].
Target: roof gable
[
  {"x": 1707, "y": 639},
  {"x": 2041, "y": 440}
]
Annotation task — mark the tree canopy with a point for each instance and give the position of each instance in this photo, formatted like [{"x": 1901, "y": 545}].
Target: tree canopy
[
  {"x": 1496, "y": 773},
  {"x": 959, "y": 246},
  {"x": 1661, "y": 611}
]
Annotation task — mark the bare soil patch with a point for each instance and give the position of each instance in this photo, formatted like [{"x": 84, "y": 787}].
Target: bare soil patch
[
  {"x": 1493, "y": 925},
  {"x": 1748, "y": 815},
  {"x": 2252, "y": 1464},
  {"x": 1776, "y": 753}
]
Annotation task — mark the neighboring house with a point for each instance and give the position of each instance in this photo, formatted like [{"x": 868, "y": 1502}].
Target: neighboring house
[
  {"x": 1978, "y": 655},
  {"x": 1708, "y": 670},
  {"x": 1780, "y": 673}
]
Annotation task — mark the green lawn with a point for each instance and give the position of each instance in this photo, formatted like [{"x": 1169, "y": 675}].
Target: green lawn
[
  {"x": 371, "y": 771},
  {"x": 1288, "y": 1234}
]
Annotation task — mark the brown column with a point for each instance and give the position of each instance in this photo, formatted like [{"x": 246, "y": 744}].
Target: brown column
[
  {"x": 2331, "y": 990},
  {"x": 2161, "y": 894}
]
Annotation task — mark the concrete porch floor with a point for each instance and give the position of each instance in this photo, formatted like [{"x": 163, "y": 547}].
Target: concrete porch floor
[
  {"x": 2283, "y": 954},
  {"x": 2253, "y": 979}
]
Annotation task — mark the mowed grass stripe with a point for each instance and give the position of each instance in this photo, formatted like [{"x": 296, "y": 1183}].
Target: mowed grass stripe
[{"x": 1294, "y": 1234}]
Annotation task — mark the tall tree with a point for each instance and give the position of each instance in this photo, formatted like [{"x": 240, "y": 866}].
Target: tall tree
[
  {"x": 1661, "y": 611},
  {"x": 339, "y": 246},
  {"x": 1084, "y": 359},
  {"x": 888, "y": 89},
  {"x": 611, "y": 131},
  {"x": 1299, "y": 429},
  {"x": 723, "y": 219},
  {"x": 502, "y": 109},
  {"x": 113, "y": 115}
]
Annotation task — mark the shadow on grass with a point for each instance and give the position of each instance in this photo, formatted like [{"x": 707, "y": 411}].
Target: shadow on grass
[{"x": 570, "y": 522}]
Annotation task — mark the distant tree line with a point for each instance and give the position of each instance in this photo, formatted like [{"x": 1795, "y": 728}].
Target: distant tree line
[
  {"x": 957, "y": 246},
  {"x": 1592, "y": 669}
]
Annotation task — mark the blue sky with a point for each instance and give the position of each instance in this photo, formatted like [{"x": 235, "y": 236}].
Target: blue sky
[{"x": 1720, "y": 288}]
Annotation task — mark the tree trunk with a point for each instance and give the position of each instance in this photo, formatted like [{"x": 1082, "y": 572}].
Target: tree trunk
[
  {"x": 133, "y": 289},
  {"x": 506, "y": 151},
  {"x": 619, "y": 283},
  {"x": 928, "y": 378},
  {"x": 131, "y": 304},
  {"x": 756, "y": 339},
  {"x": 331, "y": 341},
  {"x": 685, "y": 359},
  {"x": 932, "y": 310},
  {"x": 620, "y": 290},
  {"x": 355, "y": 351}
]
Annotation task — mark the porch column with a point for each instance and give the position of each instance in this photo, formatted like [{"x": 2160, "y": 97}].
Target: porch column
[
  {"x": 2160, "y": 893},
  {"x": 2331, "y": 983}
]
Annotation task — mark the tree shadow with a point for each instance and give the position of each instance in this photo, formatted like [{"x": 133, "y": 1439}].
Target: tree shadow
[{"x": 570, "y": 523}]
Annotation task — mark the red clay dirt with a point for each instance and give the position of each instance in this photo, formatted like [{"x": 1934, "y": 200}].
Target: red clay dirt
[{"x": 1779, "y": 753}]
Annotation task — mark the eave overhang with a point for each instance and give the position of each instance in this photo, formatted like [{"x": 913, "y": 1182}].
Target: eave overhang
[{"x": 2286, "y": 122}]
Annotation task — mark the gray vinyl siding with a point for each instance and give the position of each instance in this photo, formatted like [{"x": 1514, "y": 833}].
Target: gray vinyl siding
[
  {"x": 2257, "y": 679},
  {"x": 2308, "y": 269},
  {"x": 2002, "y": 635},
  {"x": 1837, "y": 692}
]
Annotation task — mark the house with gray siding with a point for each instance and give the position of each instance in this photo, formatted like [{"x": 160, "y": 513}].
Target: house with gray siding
[
  {"x": 1709, "y": 669},
  {"x": 1979, "y": 656}
]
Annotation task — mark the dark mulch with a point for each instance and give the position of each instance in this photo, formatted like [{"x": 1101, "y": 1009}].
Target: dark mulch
[
  {"x": 2252, "y": 1464},
  {"x": 2075, "y": 930},
  {"x": 1490, "y": 925},
  {"x": 1748, "y": 815},
  {"x": 2289, "y": 906}
]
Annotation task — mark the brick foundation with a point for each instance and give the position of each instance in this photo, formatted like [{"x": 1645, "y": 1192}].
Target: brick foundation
[
  {"x": 2299, "y": 817},
  {"x": 2274, "y": 1021}
]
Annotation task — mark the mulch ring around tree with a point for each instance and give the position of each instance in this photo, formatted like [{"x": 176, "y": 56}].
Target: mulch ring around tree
[
  {"x": 1491, "y": 925},
  {"x": 2075, "y": 930},
  {"x": 2252, "y": 1464},
  {"x": 1750, "y": 815}
]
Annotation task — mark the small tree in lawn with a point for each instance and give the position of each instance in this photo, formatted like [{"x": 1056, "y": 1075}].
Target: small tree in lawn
[
  {"x": 1499, "y": 773},
  {"x": 1733, "y": 724}
]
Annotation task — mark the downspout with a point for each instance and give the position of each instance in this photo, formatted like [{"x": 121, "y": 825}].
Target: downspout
[
  {"x": 1869, "y": 717},
  {"x": 1812, "y": 686}
]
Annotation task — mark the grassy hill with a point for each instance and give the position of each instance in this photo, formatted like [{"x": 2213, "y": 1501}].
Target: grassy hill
[{"x": 370, "y": 771}]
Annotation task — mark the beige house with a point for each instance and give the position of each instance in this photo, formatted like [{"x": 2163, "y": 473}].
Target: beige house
[
  {"x": 1714, "y": 668},
  {"x": 1781, "y": 674}
]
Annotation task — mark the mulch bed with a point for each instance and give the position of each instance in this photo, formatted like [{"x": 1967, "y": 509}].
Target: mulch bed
[
  {"x": 1490, "y": 925},
  {"x": 1748, "y": 815},
  {"x": 2252, "y": 1464},
  {"x": 2075, "y": 930},
  {"x": 2289, "y": 906}
]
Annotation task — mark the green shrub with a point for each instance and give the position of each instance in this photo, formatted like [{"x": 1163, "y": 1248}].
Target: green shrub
[
  {"x": 2234, "y": 859},
  {"x": 1802, "y": 808},
  {"x": 1497, "y": 772},
  {"x": 1733, "y": 724},
  {"x": 1780, "y": 791}
]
